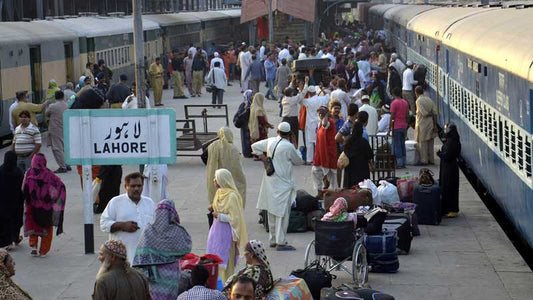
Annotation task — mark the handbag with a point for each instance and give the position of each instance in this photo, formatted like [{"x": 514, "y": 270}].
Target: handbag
[
  {"x": 315, "y": 277},
  {"x": 343, "y": 161},
  {"x": 240, "y": 119},
  {"x": 268, "y": 163},
  {"x": 211, "y": 88}
]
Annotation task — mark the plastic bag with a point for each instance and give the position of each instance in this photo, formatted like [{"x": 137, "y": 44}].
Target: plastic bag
[
  {"x": 369, "y": 184},
  {"x": 387, "y": 193}
]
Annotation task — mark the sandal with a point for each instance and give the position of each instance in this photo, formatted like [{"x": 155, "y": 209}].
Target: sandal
[{"x": 285, "y": 248}]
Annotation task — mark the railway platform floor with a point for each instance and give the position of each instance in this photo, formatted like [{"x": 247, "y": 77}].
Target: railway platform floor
[{"x": 468, "y": 257}]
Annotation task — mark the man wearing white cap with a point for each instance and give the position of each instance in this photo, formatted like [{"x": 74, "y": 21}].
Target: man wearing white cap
[
  {"x": 278, "y": 191},
  {"x": 215, "y": 59},
  {"x": 372, "y": 126},
  {"x": 408, "y": 83},
  {"x": 311, "y": 119}
]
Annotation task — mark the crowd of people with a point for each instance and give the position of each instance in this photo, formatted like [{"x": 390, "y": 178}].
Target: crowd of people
[{"x": 371, "y": 93}]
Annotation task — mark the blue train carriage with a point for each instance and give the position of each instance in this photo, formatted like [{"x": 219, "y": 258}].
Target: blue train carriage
[
  {"x": 493, "y": 105},
  {"x": 111, "y": 39},
  {"x": 395, "y": 24},
  {"x": 424, "y": 33},
  {"x": 376, "y": 12},
  {"x": 31, "y": 54}
]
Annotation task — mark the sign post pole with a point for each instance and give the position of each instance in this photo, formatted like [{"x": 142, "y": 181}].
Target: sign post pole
[{"x": 88, "y": 228}]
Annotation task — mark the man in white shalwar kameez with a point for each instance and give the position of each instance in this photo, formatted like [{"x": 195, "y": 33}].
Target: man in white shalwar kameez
[
  {"x": 245, "y": 60},
  {"x": 155, "y": 182},
  {"x": 126, "y": 215},
  {"x": 279, "y": 190},
  {"x": 311, "y": 119}
]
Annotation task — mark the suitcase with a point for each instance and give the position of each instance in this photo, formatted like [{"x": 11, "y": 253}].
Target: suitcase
[
  {"x": 354, "y": 196},
  {"x": 306, "y": 64},
  {"x": 428, "y": 204},
  {"x": 290, "y": 288},
  {"x": 305, "y": 202},
  {"x": 318, "y": 214},
  {"x": 381, "y": 252},
  {"x": 345, "y": 292},
  {"x": 297, "y": 222},
  {"x": 401, "y": 224}
]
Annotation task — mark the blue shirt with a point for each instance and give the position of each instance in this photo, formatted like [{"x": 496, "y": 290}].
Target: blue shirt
[
  {"x": 255, "y": 72},
  {"x": 270, "y": 69},
  {"x": 346, "y": 128},
  {"x": 365, "y": 135}
]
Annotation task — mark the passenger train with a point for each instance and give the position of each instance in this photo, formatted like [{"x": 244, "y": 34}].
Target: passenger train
[
  {"x": 33, "y": 53},
  {"x": 480, "y": 73}
]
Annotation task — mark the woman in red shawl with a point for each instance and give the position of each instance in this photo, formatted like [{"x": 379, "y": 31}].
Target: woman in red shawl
[{"x": 44, "y": 195}]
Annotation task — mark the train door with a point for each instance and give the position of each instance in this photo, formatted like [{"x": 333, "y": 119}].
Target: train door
[
  {"x": 36, "y": 73},
  {"x": 69, "y": 61}
]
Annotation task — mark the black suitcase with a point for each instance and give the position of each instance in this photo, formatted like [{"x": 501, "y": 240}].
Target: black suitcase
[
  {"x": 297, "y": 222},
  {"x": 305, "y": 202},
  {"x": 306, "y": 64},
  {"x": 428, "y": 204},
  {"x": 400, "y": 222}
]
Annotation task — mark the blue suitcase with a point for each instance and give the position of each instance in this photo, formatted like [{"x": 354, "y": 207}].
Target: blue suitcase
[
  {"x": 381, "y": 252},
  {"x": 428, "y": 204}
]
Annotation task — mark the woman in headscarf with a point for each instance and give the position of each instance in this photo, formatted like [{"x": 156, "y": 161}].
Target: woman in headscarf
[
  {"x": 52, "y": 89},
  {"x": 338, "y": 212},
  {"x": 358, "y": 151},
  {"x": 227, "y": 236},
  {"x": 258, "y": 122},
  {"x": 222, "y": 154},
  {"x": 257, "y": 268},
  {"x": 160, "y": 247},
  {"x": 44, "y": 195},
  {"x": 9, "y": 290},
  {"x": 110, "y": 177},
  {"x": 244, "y": 111},
  {"x": 449, "y": 171},
  {"x": 81, "y": 83},
  {"x": 11, "y": 202}
]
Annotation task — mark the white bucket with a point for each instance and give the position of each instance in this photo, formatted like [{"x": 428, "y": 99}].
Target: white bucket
[{"x": 411, "y": 155}]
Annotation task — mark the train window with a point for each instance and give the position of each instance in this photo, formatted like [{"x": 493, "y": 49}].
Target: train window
[
  {"x": 506, "y": 139},
  {"x": 527, "y": 149},
  {"x": 477, "y": 87},
  {"x": 490, "y": 128},
  {"x": 512, "y": 142},
  {"x": 485, "y": 70},
  {"x": 469, "y": 63},
  {"x": 520, "y": 150},
  {"x": 495, "y": 130}
]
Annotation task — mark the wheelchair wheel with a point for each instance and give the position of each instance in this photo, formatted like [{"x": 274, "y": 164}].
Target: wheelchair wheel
[
  {"x": 311, "y": 257},
  {"x": 359, "y": 264}
]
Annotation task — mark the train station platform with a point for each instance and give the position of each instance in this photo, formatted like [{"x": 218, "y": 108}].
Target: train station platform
[{"x": 468, "y": 257}]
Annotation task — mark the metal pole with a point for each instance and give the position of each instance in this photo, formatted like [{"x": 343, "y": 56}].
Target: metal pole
[
  {"x": 270, "y": 22},
  {"x": 88, "y": 228},
  {"x": 138, "y": 42}
]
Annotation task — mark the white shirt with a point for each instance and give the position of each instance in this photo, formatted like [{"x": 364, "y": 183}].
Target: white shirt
[
  {"x": 279, "y": 190},
  {"x": 332, "y": 59},
  {"x": 283, "y": 54},
  {"x": 399, "y": 66},
  {"x": 344, "y": 99},
  {"x": 214, "y": 60},
  {"x": 311, "y": 117},
  {"x": 290, "y": 105},
  {"x": 246, "y": 61},
  {"x": 11, "y": 108},
  {"x": 383, "y": 124},
  {"x": 366, "y": 68},
  {"x": 262, "y": 53},
  {"x": 122, "y": 209},
  {"x": 134, "y": 104},
  {"x": 192, "y": 50},
  {"x": 408, "y": 80},
  {"x": 302, "y": 56},
  {"x": 217, "y": 76},
  {"x": 320, "y": 53},
  {"x": 372, "y": 126}
]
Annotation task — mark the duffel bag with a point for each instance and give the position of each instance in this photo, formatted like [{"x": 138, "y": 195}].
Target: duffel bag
[
  {"x": 316, "y": 278},
  {"x": 297, "y": 221},
  {"x": 381, "y": 252},
  {"x": 406, "y": 187},
  {"x": 355, "y": 197},
  {"x": 305, "y": 202},
  {"x": 318, "y": 214},
  {"x": 353, "y": 293}
]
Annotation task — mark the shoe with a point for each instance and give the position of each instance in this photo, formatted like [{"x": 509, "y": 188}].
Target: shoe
[
  {"x": 43, "y": 255},
  {"x": 285, "y": 248},
  {"x": 452, "y": 215},
  {"x": 60, "y": 170},
  {"x": 229, "y": 84},
  {"x": 34, "y": 252},
  {"x": 193, "y": 95},
  {"x": 273, "y": 245},
  {"x": 69, "y": 168},
  {"x": 176, "y": 97},
  {"x": 159, "y": 104},
  {"x": 183, "y": 97}
]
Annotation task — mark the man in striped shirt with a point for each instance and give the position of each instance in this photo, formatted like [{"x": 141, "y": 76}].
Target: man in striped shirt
[{"x": 26, "y": 140}]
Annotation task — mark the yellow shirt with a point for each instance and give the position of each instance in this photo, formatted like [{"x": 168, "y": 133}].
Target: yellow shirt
[{"x": 31, "y": 107}]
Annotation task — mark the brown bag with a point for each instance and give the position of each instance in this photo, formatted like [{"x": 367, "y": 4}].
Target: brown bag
[
  {"x": 343, "y": 161},
  {"x": 355, "y": 197}
]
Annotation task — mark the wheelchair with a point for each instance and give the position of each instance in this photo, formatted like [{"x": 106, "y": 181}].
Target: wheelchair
[{"x": 337, "y": 247}]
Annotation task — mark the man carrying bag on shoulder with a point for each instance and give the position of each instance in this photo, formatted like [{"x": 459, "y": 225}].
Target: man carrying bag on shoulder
[
  {"x": 217, "y": 81},
  {"x": 278, "y": 190}
]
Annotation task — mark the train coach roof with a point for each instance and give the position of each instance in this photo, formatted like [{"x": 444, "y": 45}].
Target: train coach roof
[
  {"x": 234, "y": 13},
  {"x": 402, "y": 14},
  {"x": 501, "y": 37},
  {"x": 100, "y": 26},
  {"x": 172, "y": 19},
  {"x": 381, "y": 9},
  {"x": 31, "y": 32},
  {"x": 435, "y": 22},
  {"x": 207, "y": 15}
]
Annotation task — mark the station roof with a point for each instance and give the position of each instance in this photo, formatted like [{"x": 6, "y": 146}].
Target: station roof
[
  {"x": 32, "y": 32},
  {"x": 99, "y": 26},
  {"x": 502, "y": 37},
  {"x": 435, "y": 22},
  {"x": 402, "y": 14}
]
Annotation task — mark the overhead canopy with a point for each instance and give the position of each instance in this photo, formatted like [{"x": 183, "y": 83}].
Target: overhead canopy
[{"x": 301, "y": 9}]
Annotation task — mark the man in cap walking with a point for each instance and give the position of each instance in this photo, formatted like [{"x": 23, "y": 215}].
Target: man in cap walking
[{"x": 278, "y": 190}]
